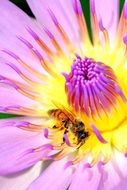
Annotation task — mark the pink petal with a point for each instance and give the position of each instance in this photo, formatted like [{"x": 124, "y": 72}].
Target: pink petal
[
  {"x": 111, "y": 176},
  {"x": 9, "y": 97},
  {"x": 9, "y": 90},
  {"x": 116, "y": 173},
  {"x": 108, "y": 12},
  {"x": 85, "y": 178},
  {"x": 20, "y": 181},
  {"x": 64, "y": 12},
  {"x": 14, "y": 24},
  {"x": 17, "y": 146},
  {"x": 55, "y": 177}
]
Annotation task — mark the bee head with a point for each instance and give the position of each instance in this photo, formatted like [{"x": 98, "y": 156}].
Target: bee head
[
  {"x": 82, "y": 135},
  {"x": 80, "y": 125}
]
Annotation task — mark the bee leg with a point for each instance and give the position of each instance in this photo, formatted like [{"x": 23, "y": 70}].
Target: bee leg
[
  {"x": 81, "y": 143},
  {"x": 65, "y": 122},
  {"x": 66, "y": 131}
]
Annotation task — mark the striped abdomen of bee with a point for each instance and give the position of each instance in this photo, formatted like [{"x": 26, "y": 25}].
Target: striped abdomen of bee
[{"x": 79, "y": 130}]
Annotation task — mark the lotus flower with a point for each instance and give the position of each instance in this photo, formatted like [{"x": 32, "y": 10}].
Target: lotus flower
[{"x": 70, "y": 93}]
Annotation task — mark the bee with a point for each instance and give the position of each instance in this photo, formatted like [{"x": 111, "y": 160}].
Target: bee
[{"x": 67, "y": 122}]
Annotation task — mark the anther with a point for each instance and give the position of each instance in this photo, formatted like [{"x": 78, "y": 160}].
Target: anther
[{"x": 98, "y": 134}]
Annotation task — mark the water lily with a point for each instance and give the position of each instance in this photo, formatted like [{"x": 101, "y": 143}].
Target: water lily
[{"x": 70, "y": 93}]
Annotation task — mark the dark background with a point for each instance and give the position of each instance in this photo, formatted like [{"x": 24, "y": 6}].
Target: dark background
[{"x": 85, "y": 4}]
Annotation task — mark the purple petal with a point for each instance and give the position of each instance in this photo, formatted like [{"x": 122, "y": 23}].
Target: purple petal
[
  {"x": 110, "y": 176},
  {"x": 10, "y": 97},
  {"x": 108, "y": 12},
  {"x": 64, "y": 12},
  {"x": 18, "y": 147},
  {"x": 20, "y": 181},
  {"x": 116, "y": 173},
  {"x": 15, "y": 23},
  {"x": 88, "y": 178},
  {"x": 55, "y": 177}
]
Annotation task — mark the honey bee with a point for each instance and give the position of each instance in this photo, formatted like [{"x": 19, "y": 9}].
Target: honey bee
[{"x": 67, "y": 122}]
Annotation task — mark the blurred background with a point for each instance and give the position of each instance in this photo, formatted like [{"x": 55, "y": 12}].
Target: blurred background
[{"x": 85, "y": 4}]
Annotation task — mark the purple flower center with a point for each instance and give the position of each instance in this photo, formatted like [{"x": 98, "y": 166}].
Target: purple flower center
[{"x": 91, "y": 86}]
